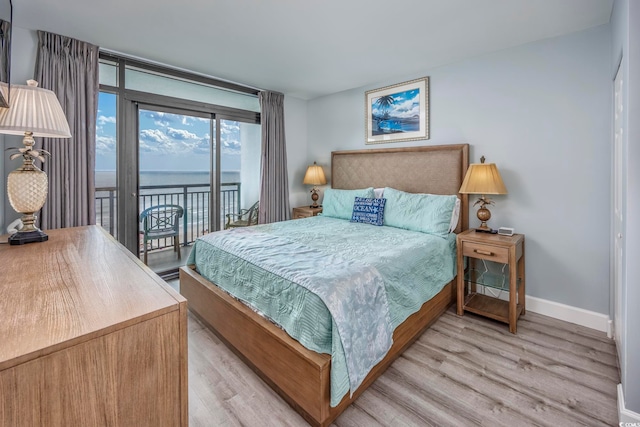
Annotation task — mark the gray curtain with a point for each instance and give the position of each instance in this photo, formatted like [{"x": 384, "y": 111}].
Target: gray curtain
[
  {"x": 69, "y": 68},
  {"x": 274, "y": 183}
]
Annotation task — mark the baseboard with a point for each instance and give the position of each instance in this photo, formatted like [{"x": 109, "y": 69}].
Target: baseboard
[
  {"x": 579, "y": 316},
  {"x": 624, "y": 415},
  {"x": 610, "y": 329}
]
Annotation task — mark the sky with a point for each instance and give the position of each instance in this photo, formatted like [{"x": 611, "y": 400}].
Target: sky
[{"x": 168, "y": 142}]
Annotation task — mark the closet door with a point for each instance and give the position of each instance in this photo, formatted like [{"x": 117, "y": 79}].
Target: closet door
[{"x": 619, "y": 174}]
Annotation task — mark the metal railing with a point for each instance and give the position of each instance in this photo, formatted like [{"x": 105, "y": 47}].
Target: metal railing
[{"x": 194, "y": 199}]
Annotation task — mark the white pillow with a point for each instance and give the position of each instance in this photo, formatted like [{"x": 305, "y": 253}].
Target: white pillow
[
  {"x": 378, "y": 192},
  {"x": 454, "y": 216}
]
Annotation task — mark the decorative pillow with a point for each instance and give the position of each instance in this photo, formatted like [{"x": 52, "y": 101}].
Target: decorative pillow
[
  {"x": 427, "y": 213},
  {"x": 368, "y": 211},
  {"x": 339, "y": 203}
]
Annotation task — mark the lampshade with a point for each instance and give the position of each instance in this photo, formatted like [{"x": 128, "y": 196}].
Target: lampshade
[
  {"x": 314, "y": 175},
  {"x": 483, "y": 178},
  {"x": 36, "y": 110}
]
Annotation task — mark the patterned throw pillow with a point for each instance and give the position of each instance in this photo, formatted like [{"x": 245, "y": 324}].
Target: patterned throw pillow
[
  {"x": 368, "y": 211},
  {"x": 339, "y": 203}
]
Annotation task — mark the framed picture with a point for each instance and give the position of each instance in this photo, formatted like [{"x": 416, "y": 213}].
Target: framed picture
[{"x": 397, "y": 113}]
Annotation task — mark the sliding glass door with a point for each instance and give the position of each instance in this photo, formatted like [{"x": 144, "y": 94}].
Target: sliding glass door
[{"x": 174, "y": 183}]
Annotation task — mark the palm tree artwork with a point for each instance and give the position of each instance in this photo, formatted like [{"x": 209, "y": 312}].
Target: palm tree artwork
[
  {"x": 396, "y": 112},
  {"x": 383, "y": 103}
]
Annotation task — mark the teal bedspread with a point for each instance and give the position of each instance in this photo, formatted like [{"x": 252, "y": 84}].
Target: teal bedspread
[{"x": 413, "y": 267}]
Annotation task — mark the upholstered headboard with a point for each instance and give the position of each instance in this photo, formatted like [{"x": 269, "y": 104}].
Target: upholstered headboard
[{"x": 437, "y": 169}]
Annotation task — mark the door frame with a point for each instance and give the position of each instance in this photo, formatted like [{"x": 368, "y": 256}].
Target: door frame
[{"x": 129, "y": 163}]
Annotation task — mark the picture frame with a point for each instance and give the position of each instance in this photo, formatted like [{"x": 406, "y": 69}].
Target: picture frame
[{"x": 397, "y": 113}]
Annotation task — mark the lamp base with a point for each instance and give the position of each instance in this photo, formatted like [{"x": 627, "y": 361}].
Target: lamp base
[
  {"x": 314, "y": 197},
  {"x": 23, "y": 237}
]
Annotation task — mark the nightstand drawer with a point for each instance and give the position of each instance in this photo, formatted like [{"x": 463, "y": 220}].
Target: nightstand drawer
[
  {"x": 483, "y": 251},
  {"x": 305, "y": 212}
]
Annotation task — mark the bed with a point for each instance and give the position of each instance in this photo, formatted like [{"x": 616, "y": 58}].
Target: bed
[{"x": 302, "y": 376}]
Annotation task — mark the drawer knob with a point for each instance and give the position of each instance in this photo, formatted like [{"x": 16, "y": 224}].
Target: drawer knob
[{"x": 481, "y": 252}]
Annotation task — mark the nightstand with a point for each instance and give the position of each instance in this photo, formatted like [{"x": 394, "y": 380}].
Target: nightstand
[
  {"x": 305, "y": 212},
  {"x": 508, "y": 250}
]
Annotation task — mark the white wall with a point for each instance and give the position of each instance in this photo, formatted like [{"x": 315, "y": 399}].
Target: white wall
[{"x": 541, "y": 112}]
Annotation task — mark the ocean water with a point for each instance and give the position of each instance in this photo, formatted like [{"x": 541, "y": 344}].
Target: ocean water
[{"x": 108, "y": 178}]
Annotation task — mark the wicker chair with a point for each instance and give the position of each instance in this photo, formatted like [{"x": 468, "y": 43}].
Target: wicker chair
[{"x": 244, "y": 218}]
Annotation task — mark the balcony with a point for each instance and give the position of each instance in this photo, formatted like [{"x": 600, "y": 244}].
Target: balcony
[{"x": 194, "y": 199}]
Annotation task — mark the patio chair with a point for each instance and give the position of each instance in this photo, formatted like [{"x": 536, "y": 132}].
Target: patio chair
[
  {"x": 161, "y": 222},
  {"x": 244, "y": 218}
]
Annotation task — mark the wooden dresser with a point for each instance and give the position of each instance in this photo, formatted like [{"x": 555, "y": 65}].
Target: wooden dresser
[{"x": 89, "y": 336}]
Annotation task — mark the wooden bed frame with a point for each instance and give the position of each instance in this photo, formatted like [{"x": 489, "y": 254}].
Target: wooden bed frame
[{"x": 302, "y": 376}]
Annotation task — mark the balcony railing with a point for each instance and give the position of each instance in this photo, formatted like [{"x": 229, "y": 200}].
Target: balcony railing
[{"x": 194, "y": 199}]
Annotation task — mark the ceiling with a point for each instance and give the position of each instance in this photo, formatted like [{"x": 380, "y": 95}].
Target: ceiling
[{"x": 307, "y": 48}]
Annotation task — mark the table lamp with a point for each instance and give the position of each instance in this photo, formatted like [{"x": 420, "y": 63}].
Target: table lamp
[
  {"x": 483, "y": 178},
  {"x": 315, "y": 177},
  {"x": 32, "y": 111}
]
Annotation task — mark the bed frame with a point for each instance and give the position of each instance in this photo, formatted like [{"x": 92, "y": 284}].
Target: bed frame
[{"x": 299, "y": 375}]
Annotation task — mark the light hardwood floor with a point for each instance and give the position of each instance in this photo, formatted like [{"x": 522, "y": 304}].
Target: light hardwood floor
[{"x": 463, "y": 371}]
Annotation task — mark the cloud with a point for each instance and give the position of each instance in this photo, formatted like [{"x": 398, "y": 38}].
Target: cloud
[
  {"x": 171, "y": 138},
  {"x": 162, "y": 119},
  {"x": 106, "y": 119},
  {"x": 105, "y": 144},
  {"x": 181, "y": 134},
  {"x": 156, "y": 136},
  {"x": 173, "y": 142},
  {"x": 158, "y": 117}
]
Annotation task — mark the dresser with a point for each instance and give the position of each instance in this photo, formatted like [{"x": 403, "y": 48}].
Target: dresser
[{"x": 89, "y": 336}]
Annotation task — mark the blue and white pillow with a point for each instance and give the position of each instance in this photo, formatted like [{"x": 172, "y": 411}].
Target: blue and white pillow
[
  {"x": 339, "y": 203},
  {"x": 368, "y": 211}
]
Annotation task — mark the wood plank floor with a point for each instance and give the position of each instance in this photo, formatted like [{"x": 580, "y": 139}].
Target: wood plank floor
[{"x": 463, "y": 371}]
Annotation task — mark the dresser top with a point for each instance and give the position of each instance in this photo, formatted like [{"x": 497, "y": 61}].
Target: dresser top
[{"x": 78, "y": 285}]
